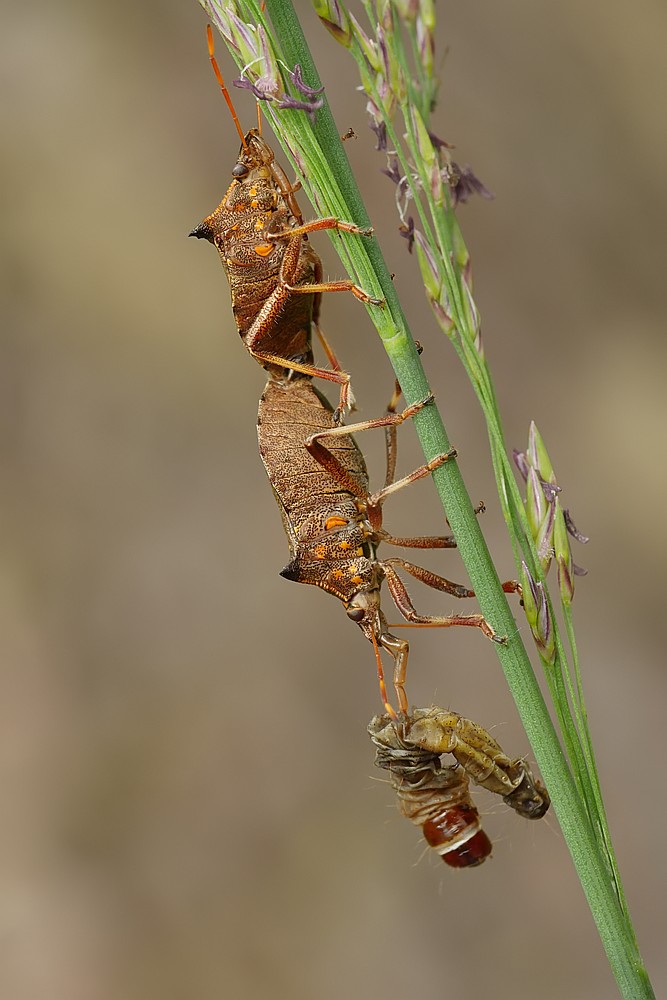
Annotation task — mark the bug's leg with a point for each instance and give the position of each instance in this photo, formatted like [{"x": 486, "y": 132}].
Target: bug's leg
[
  {"x": 390, "y": 421},
  {"x": 317, "y": 287},
  {"x": 335, "y": 286},
  {"x": 399, "y": 649},
  {"x": 404, "y": 604},
  {"x": 429, "y": 578},
  {"x": 391, "y": 438},
  {"x": 375, "y": 500},
  {"x": 329, "y": 462},
  {"x": 390, "y": 432},
  {"x": 350, "y": 402},
  {"x": 318, "y": 225},
  {"x": 265, "y": 322},
  {"x": 418, "y": 541},
  {"x": 285, "y": 186},
  {"x": 399, "y": 682},
  {"x": 440, "y": 583},
  {"x": 339, "y": 377}
]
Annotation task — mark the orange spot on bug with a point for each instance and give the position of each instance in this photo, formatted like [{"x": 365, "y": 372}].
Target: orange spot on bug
[
  {"x": 334, "y": 522},
  {"x": 264, "y": 249}
]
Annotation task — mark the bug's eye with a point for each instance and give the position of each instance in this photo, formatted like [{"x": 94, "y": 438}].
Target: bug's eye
[
  {"x": 240, "y": 170},
  {"x": 356, "y": 614}
]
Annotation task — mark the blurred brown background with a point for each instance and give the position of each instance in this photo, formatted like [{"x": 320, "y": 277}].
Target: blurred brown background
[{"x": 190, "y": 809}]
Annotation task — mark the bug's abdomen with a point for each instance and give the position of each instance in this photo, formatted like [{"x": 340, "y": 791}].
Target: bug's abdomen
[{"x": 290, "y": 411}]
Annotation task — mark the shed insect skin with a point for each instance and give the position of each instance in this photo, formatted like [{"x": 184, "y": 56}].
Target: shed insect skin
[
  {"x": 436, "y": 797},
  {"x": 275, "y": 276},
  {"x": 441, "y": 731}
]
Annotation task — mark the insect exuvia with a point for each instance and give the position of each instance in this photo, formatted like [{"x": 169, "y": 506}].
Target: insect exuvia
[{"x": 436, "y": 797}]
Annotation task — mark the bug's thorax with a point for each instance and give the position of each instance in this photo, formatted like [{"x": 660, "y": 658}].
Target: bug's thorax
[
  {"x": 341, "y": 560},
  {"x": 258, "y": 201},
  {"x": 251, "y": 229}
]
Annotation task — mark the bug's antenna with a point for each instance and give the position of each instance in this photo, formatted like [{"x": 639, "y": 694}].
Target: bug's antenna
[{"x": 223, "y": 88}]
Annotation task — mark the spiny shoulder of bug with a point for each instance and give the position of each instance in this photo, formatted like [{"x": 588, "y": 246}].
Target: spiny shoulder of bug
[{"x": 258, "y": 202}]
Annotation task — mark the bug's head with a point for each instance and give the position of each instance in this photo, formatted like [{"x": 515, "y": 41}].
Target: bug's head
[
  {"x": 254, "y": 160},
  {"x": 364, "y": 609}
]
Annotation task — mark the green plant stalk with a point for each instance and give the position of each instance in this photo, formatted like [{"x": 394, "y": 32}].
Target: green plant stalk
[
  {"x": 462, "y": 336},
  {"x": 337, "y": 194},
  {"x": 574, "y": 729}
]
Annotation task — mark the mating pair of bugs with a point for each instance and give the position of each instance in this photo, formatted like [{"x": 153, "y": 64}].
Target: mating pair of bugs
[{"x": 332, "y": 520}]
